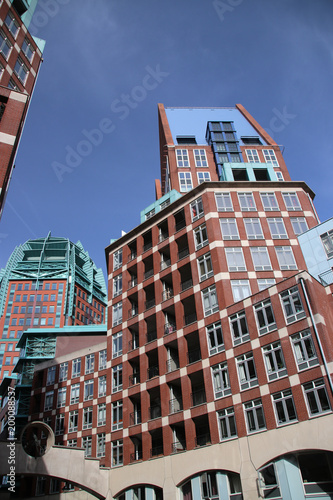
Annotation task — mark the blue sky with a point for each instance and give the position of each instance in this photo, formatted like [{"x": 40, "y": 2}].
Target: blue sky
[{"x": 274, "y": 57}]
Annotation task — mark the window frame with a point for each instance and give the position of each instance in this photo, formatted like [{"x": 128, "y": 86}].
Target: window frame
[
  {"x": 281, "y": 403},
  {"x": 253, "y": 407},
  {"x": 200, "y": 231},
  {"x": 229, "y": 228},
  {"x": 197, "y": 210},
  {"x": 212, "y": 334},
  {"x": 247, "y": 202},
  {"x": 61, "y": 397},
  {"x": 277, "y": 228},
  {"x": 313, "y": 387},
  {"x": 252, "y": 155},
  {"x": 273, "y": 357},
  {"x": 75, "y": 393},
  {"x": 291, "y": 202},
  {"x": 88, "y": 389},
  {"x": 263, "y": 307},
  {"x": 302, "y": 343},
  {"x": 227, "y": 415},
  {"x": 298, "y": 221},
  {"x": 117, "y": 285},
  {"x": 285, "y": 257},
  {"x": 117, "y": 378},
  {"x": 227, "y": 205},
  {"x": 269, "y": 202},
  {"x": 89, "y": 363},
  {"x": 117, "y": 415},
  {"x": 251, "y": 225},
  {"x": 221, "y": 380},
  {"x": 235, "y": 259},
  {"x": 185, "y": 182},
  {"x": 182, "y": 158},
  {"x": 248, "y": 381},
  {"x": 207, "y": 295},
  {"x": 205, "y": 270},
  {"x": 117, "y": 313},
  {"x": 293, "y": 296},
  {"x": 117, "y": 453},
  {"x": 270, "y": 157},
  {"x": 117, "y": 344},
  {"x": 239, "y": 328},
  {"x": 200, "y": 158},
  {"x": 87, "y": 417},
  {"x": 235, "y": 287},
  {"x": 260, "y": 258}
]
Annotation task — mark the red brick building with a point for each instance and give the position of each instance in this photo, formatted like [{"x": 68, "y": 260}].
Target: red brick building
[{"x": 20, "y": 60}]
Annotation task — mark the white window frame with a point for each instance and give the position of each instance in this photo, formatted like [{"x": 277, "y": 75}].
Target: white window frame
[
  {"x": 197, "y": 210},
  {"x": 229, "y": 229},
  {"x": 279, "y": 175},
  {"x": 5, "y": 42},
  {"x": 117, "y": 285},
  {"x": 285, "y": 258},
  {"x": 221, "y": 381},
  {"x": 117, "y": 344},
  {"x": 21, "y": 70},
  {"x": 264, "y": 283},
  {"x": 203, "y": 177},
  {"x": 117, "y": 378},
  {"x": 297, "y": 223},
  {"x": 182, "y": 158},
  {"x": 101, "y": 440},
  {"x": 277, "y": 228},
  {"x": 252, "y": 156},
  {"x": 205, "y": 267},
  {"x": 61, "y": 398},
  {"x": 200, "y": 158},
  {"x": 246, "y": 370},
  {"x": 327, "y": 242},
  {"x": 117, "y": 314},
  {"x": 101, "y": 414},
  {"x": 102, "y": 359},
  {"x": 51, "y": 372},
  {"x": 235, "y": 259},
  {"x": 63, "y": 371},
  {"x": 255, "y": 410},
  {"x": 304, "y": 350},
  {"x": 88, "y": 389},
  {"x": 227, "y": 424},
  {"x": 253, "y": 228},
  {"x": 102, "y": 386},
  {"x": 48, "y": 404},
  {"x": 75, "y": 393},
  {"x": 76, "y": 367},
  {"x": 59, "y": 424},
  {"x": 240, "y": 289},
  {"x": 291, "y": 300},
  {"x": 27, "y": 49},
  {"x": 265, "y": 317},
  {"x": 11, "y": 23},
  {"x": 247, "y": 202},
  {"x": 200, "y": 236},
  {"x": 274, "y": 361},
  {"x": 185, "y": 181},
  {"x": 117, "y": 415},
  {"x": 87, "y": 445},
  {"x": 269, "y": 202},
  {"x": 260, "y": 259},
  {"x": 284, "y": 407},
  {"x": 215, "y": 338},
  {"x": 223, "y": 202},
  {"x": 291, "y": 201},
  {"x": 209, "y": 300},
  {"x": 87, "y": 417},
  {"x": 239, "y": 328},
  {"x": 117, "y": 259},
  {"x": 117, "y": 453},
  {"x": 270, "y": 157},
  {"x": 89, "y": 363},
  {"x": 318, "y": 390}
]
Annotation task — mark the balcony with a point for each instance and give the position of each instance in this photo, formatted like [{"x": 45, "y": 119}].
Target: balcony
[
  {"x": 193, "y": 356},
  {"x": 133, "y": 344},
  {"x": 155, "y": 412},
  {"x": 180, "y": 224},
  {"x": 175, "y": 405},
  {"x": 190, "y": 318},
  {"x": 172, "y": 365},
  {"x": 147, "y": 246},
  {"x": 165, "y": 263},
  {"x": 133, "y": 282},
  {"x": 156, "y": 451},
  {"x": 135, "y": 418},
  {"x": 134, "y": 379},
  {"x": 186, "y": 284},
  {"x": 198, "y": 397},
  {"x": 148, "y": 273},
  {"x": 202, "y": 440},
  {"x": 152, "y": 372},
  {"x": 183, "y": 253},
  {"x": 178, "y": 447},
  {"x": 149, "y": 303},
  {"x": 151, "y": 336},
  {"x": 133, "y": 312},
  {"x": 162, "y": 237},
  {"x": 133, "y": 255},
  {"x": 137, "y": 455}
]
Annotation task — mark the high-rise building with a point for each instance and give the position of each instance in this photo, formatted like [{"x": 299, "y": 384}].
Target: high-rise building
[
  {"x": 218, "y": 378},
  {"x": 48, "y": 282},
  {"x": 20, "y": 60}
]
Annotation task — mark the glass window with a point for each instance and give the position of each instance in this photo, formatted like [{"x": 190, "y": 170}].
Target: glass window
[
  {"x": 304, "y": 350},
  {"x": 182, "y": 158},
  {"x": 90, "y": 362},
  {"x": 274, "y": 361},
  {"x": 75, "y": 393},
  {"x": 235, "y": 259},
  {"x": 12, "y": 24},
  {"x": 61, "y": 401},
  {"x": 209, "y": 299},
  {"x": 253, "y": 229},
  {"x": 284, "y": 407},
  {"x": 254, "y": 414},
  {"x": 205, "y": 266},
  {"x": 117, "y": 259},
  {"x": 223, "y": 202},
  {"x": 200, "y": 237},
  {"x": 246, "y": 201},
  {"x": 286, "y": 258},
  {"x": 221, "y": 380},
  {"x": 327, "y": 241},
  {"x": 203, "y": 177},
  {"x": 51, "y": 375},
  {"x": 87, "y": 417},
  {"x": 265, "y": 283},
  {"x": 316, "y": 396},
  {"x": 291, "y": 201},
  {"x": 299, "y": 225},
  {"x": 27, "y": 49},
  {"x": 117, "y": 452},
  {"x": 197, "y": 210},
  {"x": 73, "y": 420},
  {"x": 265, "y": 317},
  {"x": 117, "y": 344},
  {"x": 117, "y": 314},
  {"x": 117, "y": 415},
  {"x": 246, "y": 371},
  {"x": 268, "y": 482},
  {"x": 48, "y": 405},
  {"x": 185, "y": 181},
  {"x": 269, "y": 155},
  {"x": 215, "y": 338},
  {"x": 102, "y": 386},
  {"x": 102, "y": 360},
  {"x": 76, "y": 367},
  {"x": 227, "y": 423},
  {"x": 86, "y": 444},
  {"x": 292, "y": 305},
  {"x": 117, "y": 285},
  {"x": 239, "y": 329},
  {"x": 88, "y": 389},
  {"x": 101, "y": 414},
  {"x": 101, "y": 445},
  {"x": 21, "y": 70},
  {"x": 277, "y": 228},
  {"x": 200, "y": 158},
  {"x": 260, "y": 259},
  {"x": 5, "y": 45},
  {"x": 229, "y": 229},
  {"x": 240, "y": 289},
  {"x": 252, "y": 156},
  {"x": 117, "y": 378},
  {"x": 269, "y": 201}
]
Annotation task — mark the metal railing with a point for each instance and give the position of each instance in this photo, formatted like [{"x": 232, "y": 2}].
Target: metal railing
[
  {"x": 134, "y": 379},
  {"x": 156, "y": 450},
  {"x": 183, "y": 253},
  {"x": 137, "y": 455},
  {"x": 172, "y": 365},
  {"x": 198, "y": 397},
  {"x": 151, "y": 336},
  {"x": 167, "y": 294},
  {"x": 152, "y": 372},
  {"x": 148, "y": 273},
  {"x": 169, "y": 328},
  {"x": 147, "y": 246},
  {"x": 202, "y": 440},
  {"x": 175, "y": 405},
  {"x": 180, "y": 224},
  {"x": 186, "y": 284},
  {"x": 149, "y": 303},
  {"x": 190, "y": 318},
  {"x": 155, "y": 412},
  {"x": 193, "y": 356},
  {"x": 135, "y": 418}
]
